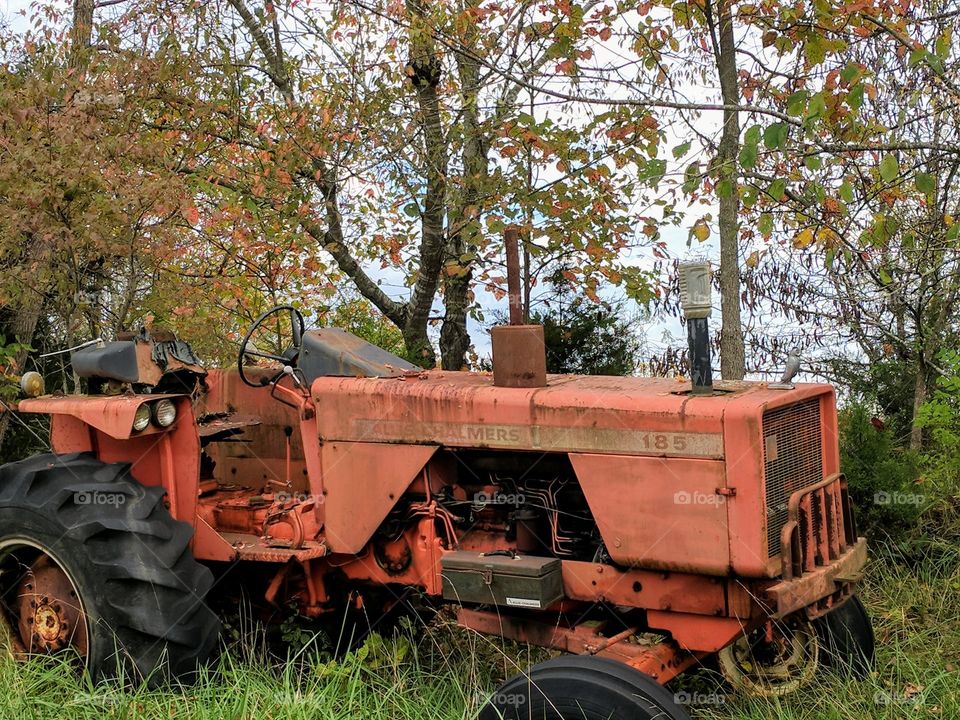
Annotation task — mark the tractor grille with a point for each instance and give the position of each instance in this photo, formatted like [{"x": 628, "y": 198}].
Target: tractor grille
[{"x": 792, "y": 459}]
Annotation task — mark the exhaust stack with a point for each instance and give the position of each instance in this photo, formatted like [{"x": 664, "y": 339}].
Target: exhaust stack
[
  {"x": 696, "y": 303},
  {"x": 519, "y": 352}
]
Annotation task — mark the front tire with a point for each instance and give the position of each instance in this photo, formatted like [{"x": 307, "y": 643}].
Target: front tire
[
  {"x": 91, "y": 562},
  {"x": 582, "y": 687},
  {"x": 847, "y": 643}
]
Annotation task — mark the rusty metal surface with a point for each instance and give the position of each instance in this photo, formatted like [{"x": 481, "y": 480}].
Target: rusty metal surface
[
  {"x": 361, "y": 484},
  {"x": 623, "y": 415},
  {"x": 519, "y": 356},
  {"x": 676, "y": 518},
  {"x": 585, "y": 581},
  {"x": 819, "y": 526},
  {"x": 50, "y": 615},
  {"x": 111, "y": 415},
  {"x": 700, "y": 633},
  {"x": 225, "y": 425},
  {"x": 258, "y": 549},
  {"x": 260, "y": 455},
  {"x": 654, "y": 655},
  {"x": 791, "y": 595}
]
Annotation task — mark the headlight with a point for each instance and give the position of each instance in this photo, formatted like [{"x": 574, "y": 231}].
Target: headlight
[
  {"x": 164, "y": 413},
  {"x": 32, "y": 384},
  {"x": 141, "y": 418}
]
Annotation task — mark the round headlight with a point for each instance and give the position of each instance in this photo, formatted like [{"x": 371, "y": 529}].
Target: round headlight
[
  {"x": 164, "y": 413},
  {"x": 141, "y": 418},
  {"x": 32, "y": 384}
]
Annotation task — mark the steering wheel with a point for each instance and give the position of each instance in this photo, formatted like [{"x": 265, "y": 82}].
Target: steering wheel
[{"x": 296, "y": 329}]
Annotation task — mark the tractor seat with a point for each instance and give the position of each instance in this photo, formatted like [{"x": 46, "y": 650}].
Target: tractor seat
[{"x": 332, "y": 352}]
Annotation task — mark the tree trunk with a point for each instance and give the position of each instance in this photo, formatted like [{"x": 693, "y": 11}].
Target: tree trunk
[
  {"x": 919, "y": 398},
  {"x": 732, "y": 355},
  {"x": 463, "y": 224},
  {"x": 81, "y": 33}
]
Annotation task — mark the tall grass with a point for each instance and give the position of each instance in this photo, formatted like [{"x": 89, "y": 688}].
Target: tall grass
[{"x": 442, "y": 672}]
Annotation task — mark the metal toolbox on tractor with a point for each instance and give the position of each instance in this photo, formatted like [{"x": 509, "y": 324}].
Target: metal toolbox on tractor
[{"x": 503, "y": 579}]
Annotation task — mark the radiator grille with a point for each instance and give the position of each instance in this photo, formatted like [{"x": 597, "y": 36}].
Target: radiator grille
[{"x": 792, "y": 459}]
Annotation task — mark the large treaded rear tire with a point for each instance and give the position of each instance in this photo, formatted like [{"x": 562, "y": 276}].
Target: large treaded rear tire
[{"x": 130, "y": 561}]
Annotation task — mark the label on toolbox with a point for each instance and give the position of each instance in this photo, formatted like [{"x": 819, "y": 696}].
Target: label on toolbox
[{"x": 524, "y": 603}]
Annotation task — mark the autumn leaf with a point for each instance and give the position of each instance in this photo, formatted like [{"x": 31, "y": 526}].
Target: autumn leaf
[
  {"x": 700, "y": 230},
  {"x": 803, "y": 239}
]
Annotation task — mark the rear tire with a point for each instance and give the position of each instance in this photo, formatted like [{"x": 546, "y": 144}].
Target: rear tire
[
  {"x": 582, "y": 687},
  {"x": 125, "y": 568},
  {"x": 847, "y": 643}
]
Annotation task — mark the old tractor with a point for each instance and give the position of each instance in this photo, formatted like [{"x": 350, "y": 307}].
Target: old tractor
[{"x": 642, "y": 526}]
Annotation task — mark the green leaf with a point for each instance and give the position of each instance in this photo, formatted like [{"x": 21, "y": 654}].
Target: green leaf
[
  {"x": 942, "y": 46},
  {"x": 765, "y": 225},
  {"x": 680, "y": 150},
  {"x": 829, "y": 257},
  {"x": 954, "y": 231},
  {"x": 889, "y": 168},
  {"x": 776, "y": 189},
  {"x": 925, "y": 183},
  {"x": 692, "y": 177},
  {"x": 813, "y": 162},
  {"x": 748, "y": 155},
  {"x": 846, "y": 192},
  {"x": 412, "y": 209},
  {"x": 917, "y": 57},
  {"x": 797, "y": 103},
  {"x": 775, "y": 136},
  {"x": 652, "y": 171},
  {"x": 817, "y": 107},
  {"x": 855, "y": 97},
  {"x": 850, "y": 73},
  {"x": 815, "y": 49},
  {"x": 752, "y": 135}
]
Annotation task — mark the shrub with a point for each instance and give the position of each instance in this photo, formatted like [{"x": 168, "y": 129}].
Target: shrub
[{"x": 882, "y": 476}]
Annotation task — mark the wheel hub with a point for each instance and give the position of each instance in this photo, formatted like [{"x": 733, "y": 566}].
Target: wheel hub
[
  {"x": 51, "y": 618},
  {"x": 772, "y": 661}
]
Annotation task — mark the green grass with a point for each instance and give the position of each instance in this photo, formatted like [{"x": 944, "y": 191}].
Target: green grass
[{"x": 445, "y": 672}]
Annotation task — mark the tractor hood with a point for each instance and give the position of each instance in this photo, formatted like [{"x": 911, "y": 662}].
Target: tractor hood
[{"x": 598, "y": 414}]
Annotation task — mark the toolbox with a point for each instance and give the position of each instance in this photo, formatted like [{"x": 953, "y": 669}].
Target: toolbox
[{"x": 501, "y": 578}]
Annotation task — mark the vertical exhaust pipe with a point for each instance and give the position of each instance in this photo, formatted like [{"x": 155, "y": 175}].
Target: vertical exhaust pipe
[{"x": 695, "y": 299}]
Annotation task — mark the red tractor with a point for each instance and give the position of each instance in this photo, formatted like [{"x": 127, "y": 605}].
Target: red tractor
[{"x": 640, "y": 525}]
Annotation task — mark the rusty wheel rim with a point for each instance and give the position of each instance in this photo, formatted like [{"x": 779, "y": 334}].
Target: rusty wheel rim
[
  {"x": 47, "y": 607},
  {"x": 790, "y": 663}
]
